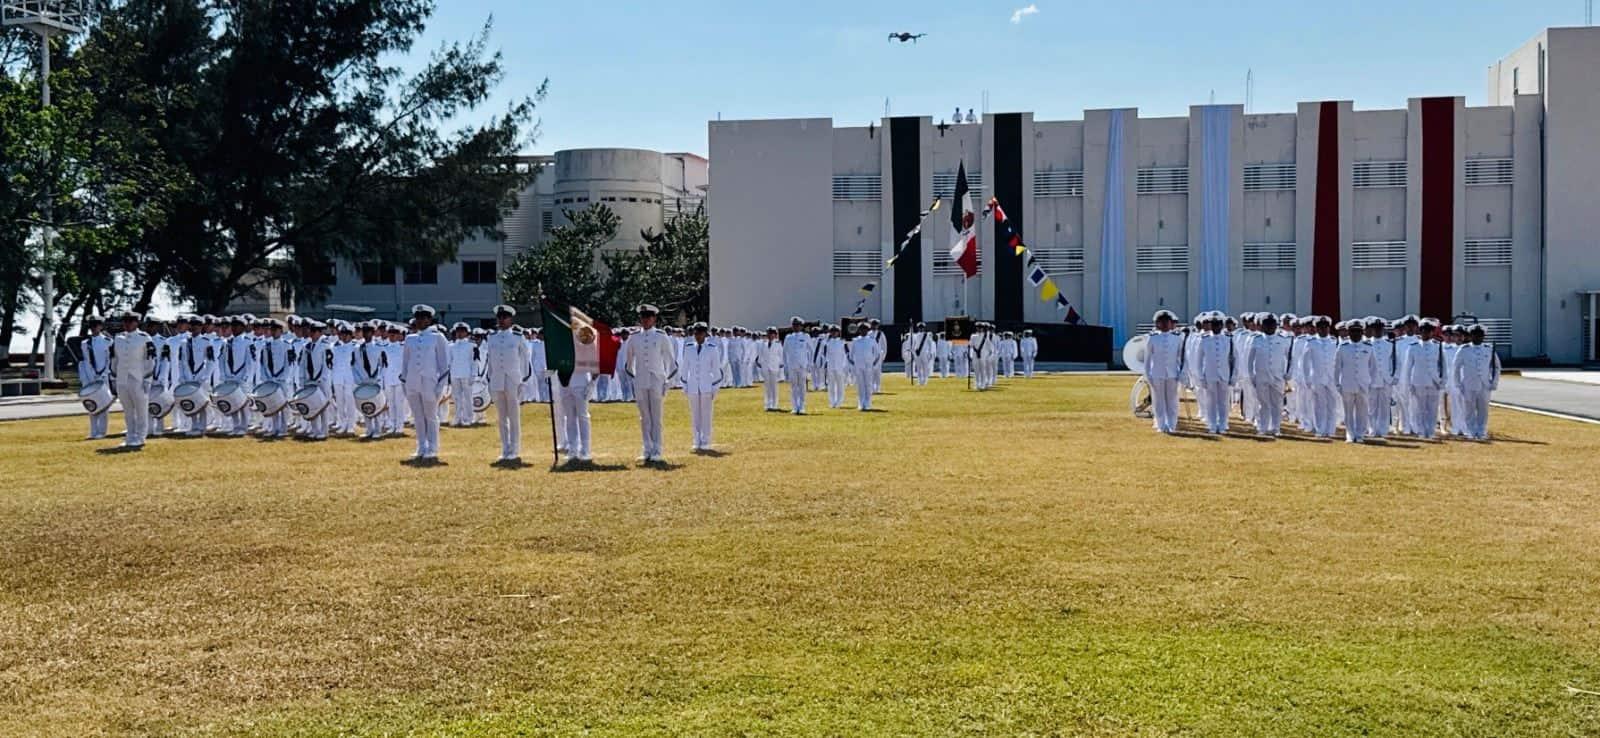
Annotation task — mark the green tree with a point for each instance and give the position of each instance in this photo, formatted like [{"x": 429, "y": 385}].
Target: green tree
[
  {"x": 564, "y": 266},
  {"x": 672, "y": 271}
]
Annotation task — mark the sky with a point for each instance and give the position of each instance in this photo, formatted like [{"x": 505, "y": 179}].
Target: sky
[{"x": 651, "y": 74}]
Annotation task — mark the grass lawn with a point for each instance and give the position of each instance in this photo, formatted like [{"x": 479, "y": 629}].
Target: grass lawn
[{"x": 1032, "y": 560}]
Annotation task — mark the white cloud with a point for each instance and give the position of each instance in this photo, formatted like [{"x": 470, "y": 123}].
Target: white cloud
[{"x": 1020, "y": 13}]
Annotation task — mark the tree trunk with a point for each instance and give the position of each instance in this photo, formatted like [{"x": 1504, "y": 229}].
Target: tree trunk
[
  {"x": 8, "y": 322},
  {"x": 148, "y": 292}
]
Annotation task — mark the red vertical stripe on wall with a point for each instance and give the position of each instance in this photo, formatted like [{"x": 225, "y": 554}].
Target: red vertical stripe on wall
[
  {"x": 1437, "y": 273},
  {"x": 1325, "y": 239}
]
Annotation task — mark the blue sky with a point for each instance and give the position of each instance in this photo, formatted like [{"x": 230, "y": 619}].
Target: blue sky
[{"x": 650, "y": 74}]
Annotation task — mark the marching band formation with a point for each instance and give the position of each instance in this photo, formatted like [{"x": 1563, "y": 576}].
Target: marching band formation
[
  {"x": 240, "y": 375},
  {"x": 1410, "y": 376}
]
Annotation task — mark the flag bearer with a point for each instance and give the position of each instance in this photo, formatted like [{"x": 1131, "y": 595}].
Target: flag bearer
[{"x": 1163, "y": 366}]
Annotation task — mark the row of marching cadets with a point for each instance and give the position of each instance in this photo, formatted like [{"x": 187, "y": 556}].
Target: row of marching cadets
[
  {"x": 926, "y": 353},
  {"x": 1411, "y": 376}
]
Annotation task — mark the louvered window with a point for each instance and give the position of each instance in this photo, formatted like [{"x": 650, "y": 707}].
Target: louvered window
[
  {"x": 857, "y": 187},
  {"x": 1163, "y": 180},
  {"x": 1369, "y": 174},
  {"x": 943, "y": 266},
  {"x": 1056, "y": 183},
  {"x": 944, "y": 185},
  {"x": 1489, "y": 172},
  {"x": 1377, "y": 254},
  {"x": 1263, "y": 177},
  {"x": 1162, "y": 259},
  {"x": 1270, "y": 256},
  {"x": 1487, "y": 252},
  {"x": 1058, "y": 262},
  {"x": 857, "y": 263}
]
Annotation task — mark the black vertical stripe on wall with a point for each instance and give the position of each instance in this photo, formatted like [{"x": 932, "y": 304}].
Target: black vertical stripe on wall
[
  {"x": 1008, "y": 190},
  {"x": 905, "y": 168}
]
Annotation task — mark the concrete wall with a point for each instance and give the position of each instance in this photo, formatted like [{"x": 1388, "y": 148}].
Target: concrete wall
[{"x": 771, "y": 220}]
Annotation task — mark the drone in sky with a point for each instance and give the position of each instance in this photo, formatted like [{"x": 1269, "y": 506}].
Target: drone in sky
[{"x": 903, "y": 37}]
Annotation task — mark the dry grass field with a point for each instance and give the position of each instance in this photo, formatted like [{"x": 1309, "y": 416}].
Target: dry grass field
[{"x": 1029, "y": 561}]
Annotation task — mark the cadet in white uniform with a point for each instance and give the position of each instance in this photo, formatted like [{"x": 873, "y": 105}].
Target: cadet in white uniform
[
  {"x": 163, "y": 374},
  {"x": 195, "y": 365},
  {"x": 95, "y": 367},
  {"x": 237, "y": 363},
  {"x": 463, "y": 369},
  {"x": 702, "y": 375},
  {"x": 867, "y": 364},
  {"x": 923, "y": 349},
  {"x": 425, "y": 362},
  {"x": 797, "y": 364},
  {"x": 1030, "y": 351},
  {"x": 836, "y": 360},
  {"x": 1268, "y": 365},
  {"x": 882, "y": 340},
  {"x": 344, "y": 380},
  {"x": 652, "y": 366},
  {"x": 132, "y": 361},
  {"x": 1403, "y": 344},
  {"x": 505, "y": 363},
  {"x": 1380, "y": 416},
  {"x": 1477, "y": 375},
  {"x": 1163, "y": 365},
  {"x": 1322, "y": 379},
  {"x": 1215, "y": 374},
  {"x": 1008, "y": 354},
  {"x": 277, "y": 361},
  {"x": 316, "y": 370},
  {"x": 1355, "y": 371},
  {"x": 1424, "y": 372},
  {"x": 982, "y": 351},
  {"x": 769, "y": 365}
]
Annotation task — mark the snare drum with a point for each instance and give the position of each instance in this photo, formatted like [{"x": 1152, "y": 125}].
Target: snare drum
[
  {"x": 269, "y": 398},
  {"x": 371, "y": 399},
  {"x": 309, "y": 402},
  {"x": 480, "y": 395},
  {"x": 96, "y": 397},
  {"x": 160, "y": 401},
  {"x": 229, "y": 397},
  {"x": 190, "y": 397}
]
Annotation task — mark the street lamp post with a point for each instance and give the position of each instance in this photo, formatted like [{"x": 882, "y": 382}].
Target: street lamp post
[{"x": 47, "y": 18}]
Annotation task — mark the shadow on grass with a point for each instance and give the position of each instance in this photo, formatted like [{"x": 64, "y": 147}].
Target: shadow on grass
[
  {"x": 711, "y": 453},
  {"x": 1497, "y": 438},
  {"x": 660, "y": 466},
  {"x": 118, "y": 450},
  {"x": 510, "y": 464},
  {"x": 417, "y": 463},
  {"x": 1196, "y": 435},
  {"x": 587, "y": 466}
]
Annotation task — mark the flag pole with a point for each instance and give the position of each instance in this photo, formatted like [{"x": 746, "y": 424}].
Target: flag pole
[{"x": 555, "y": 451}]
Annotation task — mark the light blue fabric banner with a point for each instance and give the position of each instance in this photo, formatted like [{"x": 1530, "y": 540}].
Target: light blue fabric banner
[
  {"x": 1216, "y": 124},
  {"x": 1113, "y": 239}
]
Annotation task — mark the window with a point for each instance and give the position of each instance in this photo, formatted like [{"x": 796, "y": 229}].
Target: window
[
  {"x": 380, "y": 272},
  {"x": 477, "y": 272},
  {"x": 419, "y": 273},
  {"x": 547, "y": 221},
  {"x": 320, "y": 274},
  {"x": 1516, "y": 81}
]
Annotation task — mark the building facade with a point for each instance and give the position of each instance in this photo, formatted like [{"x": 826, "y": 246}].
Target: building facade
[
  {"x": 644, "y": 188},
  {"x": 1437, "y": 208}
]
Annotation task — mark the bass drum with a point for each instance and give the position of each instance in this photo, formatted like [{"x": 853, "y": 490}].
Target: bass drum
[
  {"x": 229, "y": 397},
  {"x": 1139, "y": 400},
  {"x": 1135, "y": 352},
  {"x": 480, "y": 395},
  {"x": 269, "y": 398},
  {"x": 96, "y": 397},
  {"x": 160, "y": 401},
  {"x": 371, "y": 399},
  {"x": 309, "y": 402},
  {"x": 190, "y": 397}
]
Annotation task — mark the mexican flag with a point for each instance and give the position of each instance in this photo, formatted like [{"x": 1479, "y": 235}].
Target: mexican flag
[{"x": 575, "y": 342}]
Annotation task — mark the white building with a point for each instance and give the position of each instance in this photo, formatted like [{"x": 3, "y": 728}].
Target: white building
[
  {"x": 1436, "y": 208},
  {"x": 644, "y": 188}
]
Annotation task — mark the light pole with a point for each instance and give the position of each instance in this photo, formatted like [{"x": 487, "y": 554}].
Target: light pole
[{"x": 47, "y": 18}]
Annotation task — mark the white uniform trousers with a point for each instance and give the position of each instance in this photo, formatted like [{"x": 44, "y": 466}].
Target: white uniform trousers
[
  {"x": 1402, "y": 401},
  {"x": 1214, "y": 406},
  {"x": 1424, "y": 411},
  {"x": 944, "y": 367},
  {"x": 769, "y": 384},
  {"x": 700, "y": 412},
  {"x": 1379, "y": 412},
  {"x": 1010, "y": 366},
  {"x": 575, "y": 416},
  {"x": 864, "y": 378},
  {"x": 394, "y": 413},
  {"x": 649, "y": 396},
  {"x": 1164, "y": 404},
  {"x": 923, "y": 370},
  {"x": 797, "y": 390},
  {"x": 424, "y": 404},
  {"x": 1324, "y": 413},
  {"x": 99, "y": 424},
  {"x": 837, "y": 379},
  {"x": 1269, "y": 407},
  {"x": 1247, "y": 400},
  {"x": 135, "y": 410},
  {"x": 1027, "y": 367},
  {"x": 239, "y": 422},
  {"x": 508, "y": 419},
  {"x": 276, "y": 426},
  {"x": 461, "y": 399},
  {"x": 317, "y": 428},
  {"x": 344, "y": 407},
  {"x": 1356, "y": 414},
  {"x": 1475, "y": 406},
  {"x": 960, "y": 363}
]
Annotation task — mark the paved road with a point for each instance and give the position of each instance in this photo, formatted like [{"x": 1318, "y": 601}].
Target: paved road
[
  {"x": 27, "y": 408},
  {"x": 1577, "y": 398}
]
